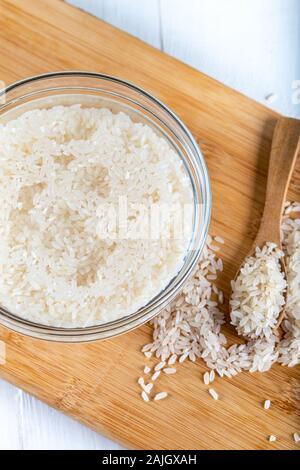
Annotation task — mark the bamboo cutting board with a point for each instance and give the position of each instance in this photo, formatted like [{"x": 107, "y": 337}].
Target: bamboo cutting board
[{"x": 97, "y": 383}]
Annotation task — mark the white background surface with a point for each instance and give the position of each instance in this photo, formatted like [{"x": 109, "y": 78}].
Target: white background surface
[{"x": 252, "y": 46}]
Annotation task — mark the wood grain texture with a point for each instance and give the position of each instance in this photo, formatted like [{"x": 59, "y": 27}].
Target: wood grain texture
[{"x": 96, "y": 383}]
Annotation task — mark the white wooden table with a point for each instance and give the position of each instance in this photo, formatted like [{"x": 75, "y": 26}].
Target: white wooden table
[{"x": 252, "y": 46}]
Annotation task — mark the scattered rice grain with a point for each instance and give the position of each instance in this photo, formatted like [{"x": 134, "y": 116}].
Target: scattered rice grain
[
  {"x": 211, "y": 376},
  {"x": 144, "y": 396},
  {"x": 296, "y": 437},
  {"x": 147, "y": 388},
  {"x": 160, "y": 396},
  {"x": 267, "y": 404},
  {"x": 172, "y": 360},
  {"x": 206, "y": 378},
  {"x": 160, "y": 366},
  {"x": 213, "y": 394},
  {"x": 169, "y": 370},
  {"x": 155, "y": 375}
]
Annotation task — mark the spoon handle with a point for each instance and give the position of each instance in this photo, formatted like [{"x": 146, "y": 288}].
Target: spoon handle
[{"x": 285, "y": 148}]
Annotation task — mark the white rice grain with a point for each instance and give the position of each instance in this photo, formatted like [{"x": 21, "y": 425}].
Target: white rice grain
[
  {"x": 147, "y": 347},
  {"x": 144, "y": 396},
  {"x": 160, "y": 396},
  {"x": 147, "y": 388},
  {"x": 213, "y": 394},
  {"x": 206, "y": 378},
  {"x": 159, "y": 366},
  {"x": 296, "y": 437},
  {"x": 172, "y": 360},
  {"x": 169, "y": 370},
  {"x": 141, "y": 381},
  {"x": 155, "y": 375},
  {"x": 267, "y": 404}
]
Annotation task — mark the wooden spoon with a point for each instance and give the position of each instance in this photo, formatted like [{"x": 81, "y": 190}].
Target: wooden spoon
[{"x": 285, "y": 148}]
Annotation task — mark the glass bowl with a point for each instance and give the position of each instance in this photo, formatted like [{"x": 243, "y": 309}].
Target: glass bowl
[{"x": 117, "y": 95}]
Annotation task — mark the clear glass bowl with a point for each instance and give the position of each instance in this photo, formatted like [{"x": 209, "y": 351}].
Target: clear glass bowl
[{"x": 118, "y": 95}]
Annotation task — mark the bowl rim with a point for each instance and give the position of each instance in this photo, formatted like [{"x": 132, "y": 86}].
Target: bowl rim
[{"x": 146, "y": 313}]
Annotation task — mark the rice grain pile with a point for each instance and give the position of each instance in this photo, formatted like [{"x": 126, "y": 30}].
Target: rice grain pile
[
  {"x": 289, "y": 348},
  {"x": 58, "y": 167},
  {"x": 258, "y": 293},
  {"x": 190, "y": 327}
]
